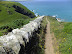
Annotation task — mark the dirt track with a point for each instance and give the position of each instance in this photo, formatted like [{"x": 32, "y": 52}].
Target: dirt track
[{"x": 48, "y": 41}]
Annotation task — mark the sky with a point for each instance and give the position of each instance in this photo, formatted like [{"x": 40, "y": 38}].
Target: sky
[
  {"x": 37, "y": 0},
  {"x": 51, "y": 0}
]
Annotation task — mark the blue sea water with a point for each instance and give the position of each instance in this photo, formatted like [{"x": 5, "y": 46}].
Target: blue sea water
[{"x": 62, "y": 9}]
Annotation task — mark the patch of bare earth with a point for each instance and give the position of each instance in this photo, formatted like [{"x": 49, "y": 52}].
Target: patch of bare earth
[{"x": 49, "y": 49}]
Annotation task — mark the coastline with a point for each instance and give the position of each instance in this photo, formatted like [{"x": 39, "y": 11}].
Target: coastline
[{"x": 58, "y": 19}]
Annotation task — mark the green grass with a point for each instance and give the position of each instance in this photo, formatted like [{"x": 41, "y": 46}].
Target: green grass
[
  {"x": 5, "y": 17},
  {"x": 10, "y": 19},
  {"x": 63, "y": 34},
  {"x": 42, "y": 36},
  {"x": 40, "y": 47}
]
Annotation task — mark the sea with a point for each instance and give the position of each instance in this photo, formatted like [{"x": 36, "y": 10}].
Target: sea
[{"x": 62, "y": 10}]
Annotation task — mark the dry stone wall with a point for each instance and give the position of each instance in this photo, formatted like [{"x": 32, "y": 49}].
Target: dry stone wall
[{"x": 11, "y": 43}]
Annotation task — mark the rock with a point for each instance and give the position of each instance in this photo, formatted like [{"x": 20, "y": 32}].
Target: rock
[
  {"x": 23, "y": 11},
  {"x": 1, "y": 49},
  {"x": 18, "y": 38}
]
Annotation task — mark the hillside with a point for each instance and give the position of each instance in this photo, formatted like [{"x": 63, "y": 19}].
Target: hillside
[
  {"x": 63, "y": 36},
  {"x": 13, "y": 15}
]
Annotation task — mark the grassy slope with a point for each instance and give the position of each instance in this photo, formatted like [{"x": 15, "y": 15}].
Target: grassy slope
[
  {"x": 63, "y": 34},
  {"x": 40, "y": 47},
  {"x": 6, "y": 17},
  {"x": 10, "y": 19},
  {"x": 42, "y": 37}
]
